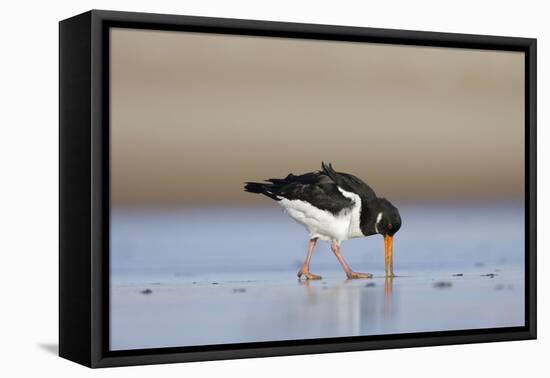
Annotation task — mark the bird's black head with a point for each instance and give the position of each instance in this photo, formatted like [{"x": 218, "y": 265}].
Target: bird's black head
[
  {"x": 388, "y": 220},
  {"x": 381, "y": 217}
]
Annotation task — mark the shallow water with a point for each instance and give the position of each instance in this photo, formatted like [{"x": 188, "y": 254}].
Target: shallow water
[{"x": 217, "y": 276}]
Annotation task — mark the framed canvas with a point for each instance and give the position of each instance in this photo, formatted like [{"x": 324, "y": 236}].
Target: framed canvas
[{"x": 235, "y": 188}]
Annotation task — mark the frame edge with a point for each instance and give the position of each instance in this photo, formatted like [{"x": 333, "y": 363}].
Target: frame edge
[
  {"x": 75, "y": 274},
  {"x": 531, "y": 170}
]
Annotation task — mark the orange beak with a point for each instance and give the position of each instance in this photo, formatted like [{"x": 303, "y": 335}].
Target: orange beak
[{"x": 388, "y": 255}]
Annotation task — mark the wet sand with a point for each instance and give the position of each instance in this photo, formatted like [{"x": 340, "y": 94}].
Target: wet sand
[
  {"x": 274, "y": 306},
  {"x": 214, "y": 276}
]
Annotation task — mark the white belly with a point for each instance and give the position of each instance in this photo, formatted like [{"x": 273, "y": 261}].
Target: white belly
[{"x": 323, "y": 224}]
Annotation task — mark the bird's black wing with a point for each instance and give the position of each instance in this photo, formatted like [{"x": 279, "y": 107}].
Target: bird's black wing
[
  {"x": 316, "y": 188},
  {"x": 349, "y": 182}
]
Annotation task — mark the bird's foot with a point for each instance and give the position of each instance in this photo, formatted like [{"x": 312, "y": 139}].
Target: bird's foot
[
  {"x": 308, "y": 275},
  {"x": 354, "y": 275}
]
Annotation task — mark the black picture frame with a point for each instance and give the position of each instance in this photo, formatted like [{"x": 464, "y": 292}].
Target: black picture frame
[{"x": 84, "y": 187}]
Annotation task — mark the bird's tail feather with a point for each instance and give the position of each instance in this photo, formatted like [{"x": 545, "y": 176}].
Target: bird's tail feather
[{"x": 260, "y": 188}]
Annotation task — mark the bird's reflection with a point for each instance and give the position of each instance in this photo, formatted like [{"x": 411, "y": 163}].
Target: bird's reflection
[
  {"x": 352, "y": 306},
  {"x": 388, "y": 287},
  {"x": 388, "y": 296}
]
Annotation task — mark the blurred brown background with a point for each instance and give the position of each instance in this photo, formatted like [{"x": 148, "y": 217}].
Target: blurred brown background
[{"x": 193, "y": 116}]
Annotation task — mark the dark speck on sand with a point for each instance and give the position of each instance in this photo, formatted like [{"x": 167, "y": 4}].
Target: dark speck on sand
[
  {"x": 215, "y": 283},
  {"x": 370, "y": 284},
  {"x": 147, "y": 291},
  {"x": 239, "y": 290},
  {"x": 490, "y": 275},
  {"x": 442, "y": 285},
  {"x": 504, "y": 287},
  {"x": 458, "y": 275}
]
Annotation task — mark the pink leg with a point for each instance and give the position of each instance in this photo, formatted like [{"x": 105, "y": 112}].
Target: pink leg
[
  {"x": 351, "y": 274},
  {"x": 304, "y": 270}
]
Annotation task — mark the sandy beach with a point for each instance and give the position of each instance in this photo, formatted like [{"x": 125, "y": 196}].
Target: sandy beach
[
  {"x": 174, "y": 285},
  {"x": 211, "y": 310}
]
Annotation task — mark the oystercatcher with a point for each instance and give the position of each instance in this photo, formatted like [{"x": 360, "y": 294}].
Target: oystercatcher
[{"x": 334, "y": 207}]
